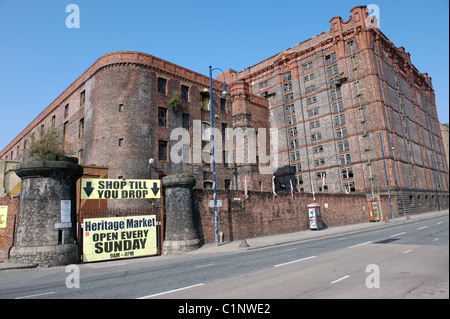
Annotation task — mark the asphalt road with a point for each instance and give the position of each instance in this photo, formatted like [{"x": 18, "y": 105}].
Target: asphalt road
[{"x": 408, "y": 260}]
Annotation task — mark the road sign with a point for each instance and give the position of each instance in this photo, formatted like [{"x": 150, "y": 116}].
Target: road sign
[
  {"x": 119, "y": 237},
  {"x": 3, "y": 216},
  {"x": 120, "y": 188}
]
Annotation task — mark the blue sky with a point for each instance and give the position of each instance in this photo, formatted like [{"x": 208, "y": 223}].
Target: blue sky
[{"x": 40, "y": 56}]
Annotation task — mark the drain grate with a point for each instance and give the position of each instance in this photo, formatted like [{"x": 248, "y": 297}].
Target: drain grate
[{"x": 386, "y": 241}]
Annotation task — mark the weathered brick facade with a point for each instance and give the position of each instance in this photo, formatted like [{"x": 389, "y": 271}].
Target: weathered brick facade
[
  {"x": 329, "y": 99},
  {"x": 7, "y": 233},
  {"x": 332, "y": 96},
  {"x": 117, "y": 114}
]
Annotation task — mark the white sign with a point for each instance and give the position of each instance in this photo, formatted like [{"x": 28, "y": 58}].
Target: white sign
[
  {"x": 65, "y": 211},
  {"x": 219, "y": 203}
]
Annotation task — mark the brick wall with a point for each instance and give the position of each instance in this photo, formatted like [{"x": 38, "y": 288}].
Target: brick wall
[
  {"x": 7, "y": 234},
  {"x": 262, "y": 214}
]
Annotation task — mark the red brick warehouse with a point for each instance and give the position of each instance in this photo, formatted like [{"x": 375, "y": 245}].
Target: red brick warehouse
[{"x": 329, "y": 99}]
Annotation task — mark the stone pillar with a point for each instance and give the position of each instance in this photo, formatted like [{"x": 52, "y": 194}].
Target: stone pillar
[
  {"x": 181, "y": 233},
  {"x": 41, "y": 238}
]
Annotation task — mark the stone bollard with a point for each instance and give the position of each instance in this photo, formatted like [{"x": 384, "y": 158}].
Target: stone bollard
[
  {"x": 181, "y": 234},
  {"x": 41, "y": 238}
]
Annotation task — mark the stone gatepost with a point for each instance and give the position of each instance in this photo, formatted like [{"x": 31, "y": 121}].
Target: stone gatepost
[
  {"x": 181, "y": 233},
  {"x": 45, "y": 231}
]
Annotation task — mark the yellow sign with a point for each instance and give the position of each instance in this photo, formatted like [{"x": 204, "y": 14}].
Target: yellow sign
[
  {"x": 120, "y": 188},
  {"x": 3, "y": 216},
  {"x": 119, "y": 237}
]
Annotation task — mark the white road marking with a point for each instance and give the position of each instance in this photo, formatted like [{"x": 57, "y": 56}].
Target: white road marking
[
  {"x": 207, "y": 265},
  {"x": 294, "y": 261},
  {"x": 408, "y": 251},
  {"x": 367, "y": 242},
  {"x": 170, "y": 291},
  {"x": 342, "y": 278},
  {"x": 37, "y": 295},
  {"x": 422, "y": 227},
  {"x": 398, "y": 234}
]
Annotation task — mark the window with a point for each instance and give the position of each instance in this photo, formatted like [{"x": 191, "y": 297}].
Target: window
[
  {"x": 345, "y": 159},
  {"x": 185, "y": 121},
  {"x": 299, "y": 179},
  {"x": 338, "y": 107},
  {"x": 225, "y": 158},
  {"x": 332, "y": 70},
  {"x": 341, "y": 132},
  {"x": 227, "y": 184},
  {"x": 205, "y": 125},
  {"x": 311, "y": 100},
  {"x": 320, "y": 175},
  {"x": 335, "y": 81},
  {"x": 162, "y": 117},
  {"x": 162, "y": 83},
  {"x": 347, "y": 172},
  {"x": 349, "y": 186},
  {"x": 344, "y": 146},
  {"x": 294, "y": 143},
  {"x": 309, "y": 77},
  {"x": 336, "y": 94},
  {"x": 292, "y": 120},
  {"x": 184, "y": 93},
  {"x": 313, "y": 112},
  {"x": 290, "y": 109},
  {"x": 65, "y": 126},
  {"x": 162, "y": 150},
  {"x": 318, "y": 149},
  {"x": 121, "y": 108},
  {"x": 295, "y": 155},
  {"x": 314, "y": 124},
  {"x": 293, "y": 132},
  {"x": 223, "y": 105},
  {"x": 298, "y": 167},
  {"x": 263, "y": 84},
  {"x": 330, "y": 58},
  {"x": 53, "y": 120},
  {"x": 66, "y": 110},
  {"x": 120, "y": 141},
  {"x": 307, "y": 66},
  {"x": 310, "y": 89},
  {"x": 224, "y": 130},
  {"x": 289, "y": 98},
  {"x": 287, "y": 87},
  {"x": 208, "y": 184},
  {"x": 316, "y": 136},
  {"x": 319, "y": 162},
  {"x": 81, "y": 128},
  {"x": 322, "y": 188},
  {"x": 339, "y": 120},
  {"x": 287, "y": 76},
  {"x": 205, "y": 102},
  {"x": 82, "y": 97}
]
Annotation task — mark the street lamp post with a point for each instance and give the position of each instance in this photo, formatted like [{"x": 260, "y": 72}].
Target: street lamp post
[
  {"x": 385, "y": 174},
  {"x": 211, "y": 106},
  {"x": 435, "y": 181}
]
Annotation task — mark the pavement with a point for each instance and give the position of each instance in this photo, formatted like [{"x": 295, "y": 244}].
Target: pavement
[{"x": 280, "y": 239}]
